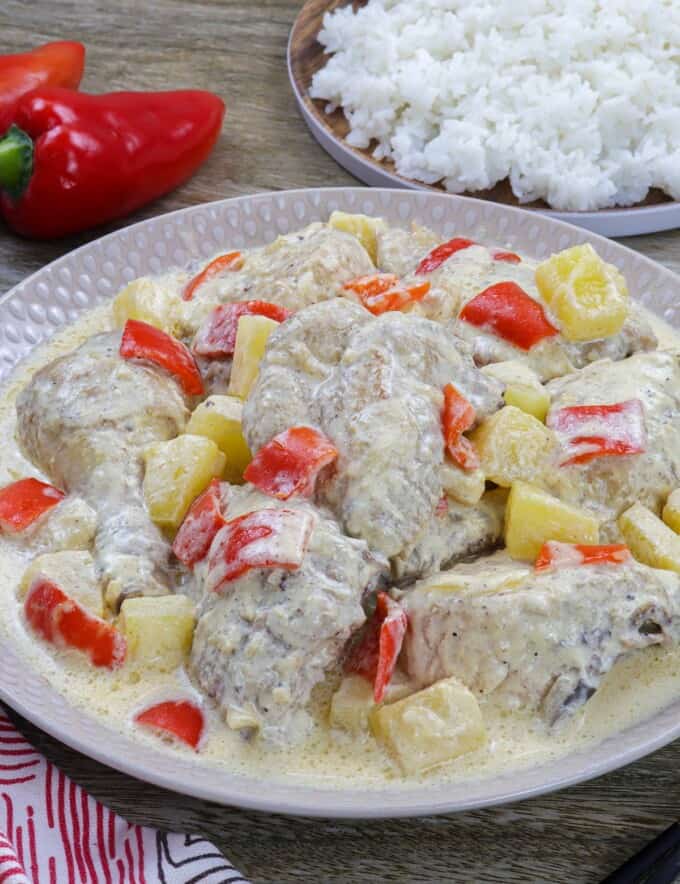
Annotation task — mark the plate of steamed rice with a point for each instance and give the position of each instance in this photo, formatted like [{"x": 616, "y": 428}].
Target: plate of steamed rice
[{"x": 570, "y": 107}]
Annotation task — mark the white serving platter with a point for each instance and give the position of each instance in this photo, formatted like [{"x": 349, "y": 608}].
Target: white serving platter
[{"x": 51, "y": 298}]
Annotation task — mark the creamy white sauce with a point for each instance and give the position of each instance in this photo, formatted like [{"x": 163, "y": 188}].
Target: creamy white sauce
[{"x": 635, "y": 689}]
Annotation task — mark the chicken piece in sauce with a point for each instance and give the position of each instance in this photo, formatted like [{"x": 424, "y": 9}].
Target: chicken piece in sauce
[
  {"x": 537, "y": 641},
  {"x": 266, "y": 638},
  {"x": 85, "y": 420},
  {"x": 374, "y": 386},
  {"x": 609, "y": 485}
]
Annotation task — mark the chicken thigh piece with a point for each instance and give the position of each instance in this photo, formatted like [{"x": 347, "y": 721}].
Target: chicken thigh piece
[
  {"x": 265, "y": 639},
  {"x": 295, "y": 270},
  {"x": 540, "y": 641},
  {"x": 85, "y": 420},
  {"x": 471, "y": 270},
  {"x": 609, "y": 485},
  {"x": 374, "y": 386}
]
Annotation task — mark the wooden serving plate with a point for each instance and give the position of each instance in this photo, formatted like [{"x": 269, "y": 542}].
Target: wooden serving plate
[{"x": 306, "y": 56}]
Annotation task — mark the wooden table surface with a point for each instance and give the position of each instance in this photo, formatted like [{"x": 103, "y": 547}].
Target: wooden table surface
[{"x": 238, "y": 50}]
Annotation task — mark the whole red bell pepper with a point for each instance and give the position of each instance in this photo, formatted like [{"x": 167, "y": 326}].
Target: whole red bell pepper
[
  {"x": 72, "y": 161},
  {"x": 53, "y": 64}
]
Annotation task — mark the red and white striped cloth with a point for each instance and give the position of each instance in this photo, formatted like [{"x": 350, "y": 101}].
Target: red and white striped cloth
[{"x": 53, "y": 832}]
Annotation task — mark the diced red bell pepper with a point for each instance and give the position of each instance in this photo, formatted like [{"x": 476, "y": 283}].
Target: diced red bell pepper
[
  {"x": 216, "y": 338},
  {"x": 375, "y": 656},
  {"x": 382, "y": 292},
  {"x": 438, "y": 255},
  {"x": 555, "y": 554},
  {"x": 508, "y": 257},
  {"x": 442, "y": 507},
  {"x": 586, "y": 432},
  {"x": 291, "y": 462},
  {"x": 143, "y": 341},
  {"x": 221, "y": 264},
  {"x": 458, "y": 415},
  {"x": 268, "y": 538},
  {"x": 22, "y": 502},
  {"x": 65, "y": 623},
  {"x": 200, "y": 526},
  {"x": 507, "y": 311},
  {"x": 179, "y": 718}
]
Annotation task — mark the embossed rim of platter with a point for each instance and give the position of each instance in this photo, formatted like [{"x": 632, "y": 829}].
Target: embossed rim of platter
[{"x": 42, "y": 304}]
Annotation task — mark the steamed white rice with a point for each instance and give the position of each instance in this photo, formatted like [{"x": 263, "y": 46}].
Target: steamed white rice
[{"x": 575, "y": 101}]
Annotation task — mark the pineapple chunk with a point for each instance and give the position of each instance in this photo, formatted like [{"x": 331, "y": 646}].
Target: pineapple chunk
[
  {"x": 513, "y": 445},
  {"x": 523, "y": 387},
  {"x": 363, "y": 227},
  {"x": 73, "y": 571},
  {"x": 352, "y": 703},
  {"x": 534, "y": 516},
  {"x": 532, "y": 400},
  {"x": 70, "y": 525},
  {"x": 353, "y": 700},
  {"x": 481, "y": 577},
  {"x": 465, "y": 486},
  {"x": 251, "y": 341},
  {"x": 671, "y": 511},
  {"x": 176, "y": 473},
  {"x": 650, "y": 541},
  {"x": 147, "y": 300},
  {"x": 219, "y": 419},
  {"x": 430, "y": 727},
  {"x": 159, "y": 630},
  {"x": 588, "y": 296}
]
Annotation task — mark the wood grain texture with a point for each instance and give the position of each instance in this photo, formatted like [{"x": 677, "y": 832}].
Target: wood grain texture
[
  {"x": 307, "y": 56},
  {"x": 238, "y": 49}
]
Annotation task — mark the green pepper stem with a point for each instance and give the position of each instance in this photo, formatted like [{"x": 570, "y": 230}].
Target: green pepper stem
[{"x": 16, "y": 161}]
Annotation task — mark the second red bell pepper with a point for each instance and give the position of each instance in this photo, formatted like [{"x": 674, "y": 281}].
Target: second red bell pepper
[
  {"x": 53, "y": 64},
  {"x": 73, "y": 161}
]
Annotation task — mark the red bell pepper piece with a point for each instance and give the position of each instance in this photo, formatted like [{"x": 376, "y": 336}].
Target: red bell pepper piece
[
  {"x": 587, "y": 432},
  {"x": 438, "y": 255},
  {"x": 381, "y": 292},
  {"x": 442, "y": 507},
  {"x": 143, "y": 341},
  {"x": 290, "y": 463},
  {"x": 200, "y": 526},
  {"x": 22, "y": 502},
  {"x": 555, "y": 554},
  {"x": 219, "y": 265},
  {"x": 375, "y": 656},
  {"x": 72, "y": 161},
  {"x": 179, "y": 718},
  {"x": 508, "y": 257},
  {"x": 65, "y": 623},
  {"x": 216, "y": 338},
  {"x": 52, "y": 64},
  {"x": 458, "y": 415},
  {"x": 507, "y": 311},
  {"x": 268, "y": 538}
]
